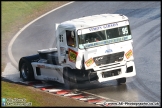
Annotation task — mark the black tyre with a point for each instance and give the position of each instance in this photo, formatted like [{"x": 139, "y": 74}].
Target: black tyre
[
  {"x": 70, "y": 80},
  {"x": 121, "y": 80},
  {"x": 26, "y": 70}
]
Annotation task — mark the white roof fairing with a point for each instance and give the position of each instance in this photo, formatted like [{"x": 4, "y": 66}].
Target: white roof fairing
[{"x": 94, "y": 20}]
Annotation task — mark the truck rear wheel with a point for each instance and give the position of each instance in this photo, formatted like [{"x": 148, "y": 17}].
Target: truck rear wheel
[
  {"x": 26, "y": 70},
  {"x": 70, "y": 80},
  {"x": 121, "y": 80}
]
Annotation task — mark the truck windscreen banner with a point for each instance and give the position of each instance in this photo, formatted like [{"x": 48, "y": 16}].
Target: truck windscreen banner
[{"x": 102, "y": 27}]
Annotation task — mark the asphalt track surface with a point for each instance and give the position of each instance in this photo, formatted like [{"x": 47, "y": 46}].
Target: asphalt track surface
[{"x": 145, "y": 24}]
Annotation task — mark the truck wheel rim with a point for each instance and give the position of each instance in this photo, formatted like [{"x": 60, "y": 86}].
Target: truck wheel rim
[{"x": 24, "y": 71}]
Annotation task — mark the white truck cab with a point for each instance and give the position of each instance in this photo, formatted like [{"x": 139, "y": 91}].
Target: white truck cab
[{"x": 93, "y": 48}]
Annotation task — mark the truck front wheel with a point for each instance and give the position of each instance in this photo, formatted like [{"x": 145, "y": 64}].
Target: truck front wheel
[
  {"x": 70, "y": 80},
  {"x": 121, "y": 80},
  {"x": 26, "y": 70}
]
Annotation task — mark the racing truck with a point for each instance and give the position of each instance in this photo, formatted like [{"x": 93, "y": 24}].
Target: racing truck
[{"x": 91, "y": 48}]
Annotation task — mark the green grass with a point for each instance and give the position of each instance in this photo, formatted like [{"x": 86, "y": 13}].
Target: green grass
[
  {"x": 17, "y": 11},
  {"x": 12, "y": 91}
]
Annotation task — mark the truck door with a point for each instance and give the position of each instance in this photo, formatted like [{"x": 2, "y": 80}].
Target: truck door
[
  {"x": 72, "y": 50},
  {"x": 67, "y": 47}
]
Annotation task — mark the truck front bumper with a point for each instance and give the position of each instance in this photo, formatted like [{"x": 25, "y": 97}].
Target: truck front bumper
[{"x": 115, "y": 71}]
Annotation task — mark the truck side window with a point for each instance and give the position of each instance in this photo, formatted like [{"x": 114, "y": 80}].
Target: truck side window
[{"x": 70, "y": 37}]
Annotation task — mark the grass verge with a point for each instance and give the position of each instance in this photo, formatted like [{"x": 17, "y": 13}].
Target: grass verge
[
  {"x": 10, "y": 90},
  {"x": 36, "y": 96}
]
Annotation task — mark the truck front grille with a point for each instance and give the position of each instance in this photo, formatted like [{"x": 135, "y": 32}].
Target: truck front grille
[{"x": 111, "y": 58}]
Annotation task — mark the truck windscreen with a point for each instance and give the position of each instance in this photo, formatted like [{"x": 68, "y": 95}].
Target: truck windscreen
[{"x": 103, "y": 37}]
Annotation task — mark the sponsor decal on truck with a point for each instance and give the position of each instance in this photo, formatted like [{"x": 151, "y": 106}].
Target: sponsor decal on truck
[
  {"x": 128, "y": 54},
  {"x": 72, "y": 55},
  {"x": 89, "y": 62}
]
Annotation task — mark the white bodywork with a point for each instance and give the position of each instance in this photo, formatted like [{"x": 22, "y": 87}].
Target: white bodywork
[
  {"x": 85, "y": 25},
  {"x": 48, "y": 72}
]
